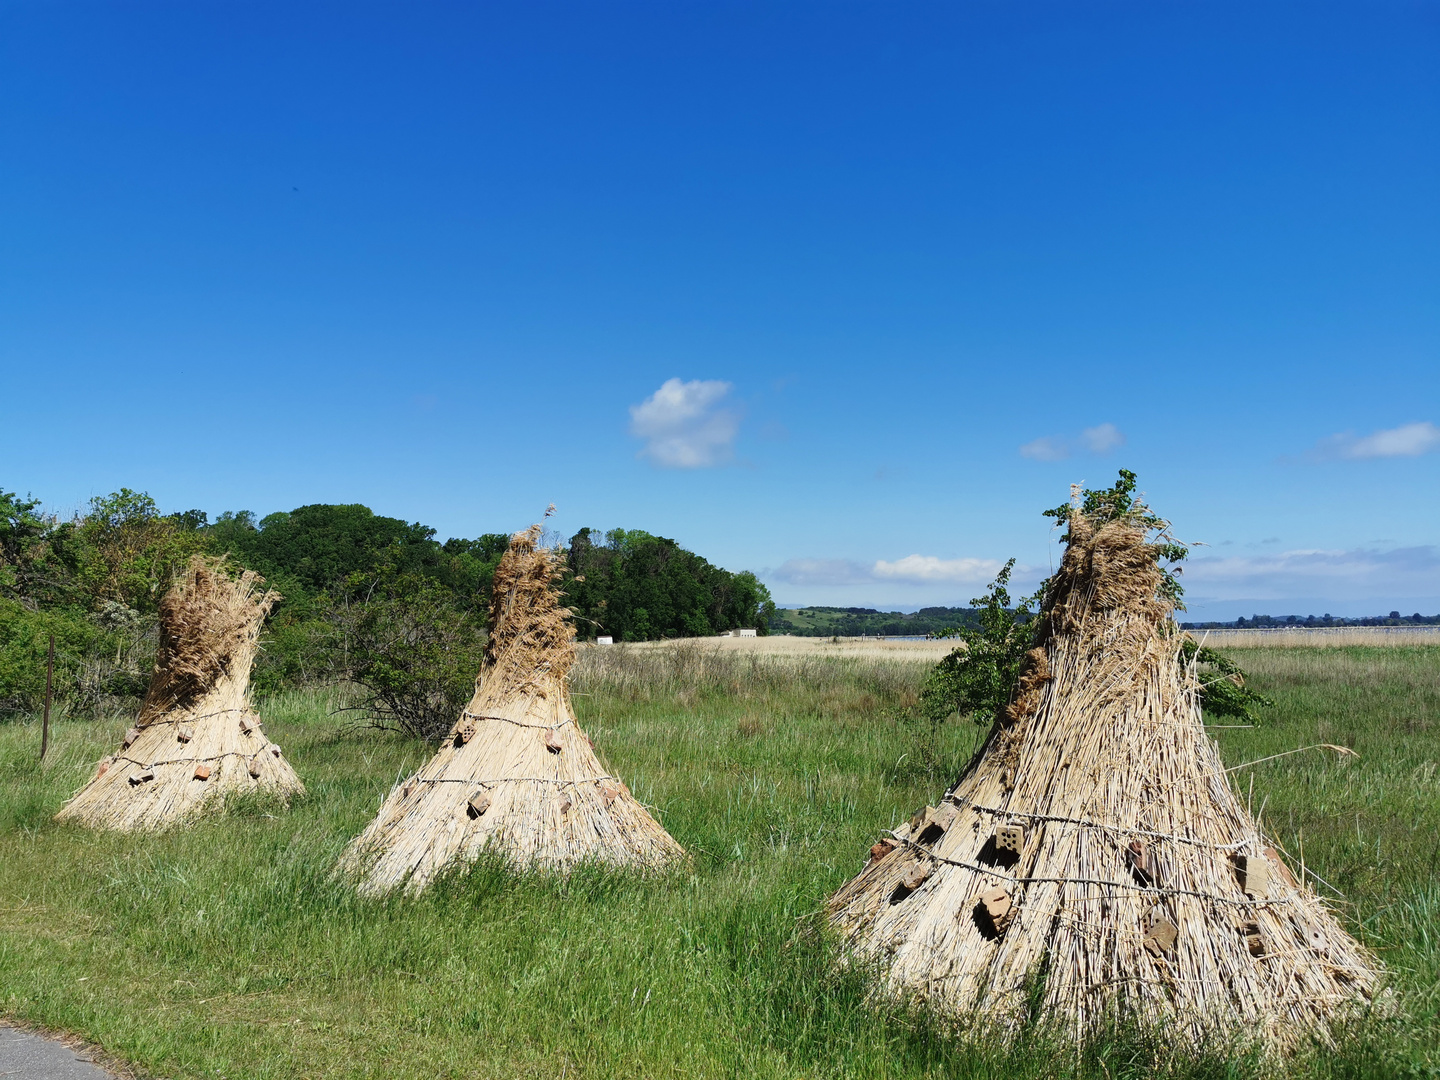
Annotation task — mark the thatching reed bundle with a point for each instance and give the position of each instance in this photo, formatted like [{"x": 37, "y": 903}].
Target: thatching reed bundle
[
  {"x": 516, "y": 775},
  {"x": 197, "y": 738},
  {"x": 1093, "y": 866}
]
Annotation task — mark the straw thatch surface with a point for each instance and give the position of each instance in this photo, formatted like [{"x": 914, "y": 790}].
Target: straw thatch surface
[
  {"x": 197, "y": 737},
  {"x": 1142, "y": 888},
  {"x": 516, "y": 775}
]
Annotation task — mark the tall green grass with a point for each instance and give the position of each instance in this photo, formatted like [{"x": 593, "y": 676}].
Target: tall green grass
[{"x": 227, "y": 949}]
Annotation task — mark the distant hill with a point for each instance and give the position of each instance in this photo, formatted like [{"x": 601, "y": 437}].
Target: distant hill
[{"x": 868, "y": 622}]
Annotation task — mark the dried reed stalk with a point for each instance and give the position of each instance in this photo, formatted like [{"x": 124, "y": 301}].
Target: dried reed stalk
[
  {"x": 197, "y": 737},
  {"x": 516, "y": 775},
  {"x": 1142, "y": 889}
]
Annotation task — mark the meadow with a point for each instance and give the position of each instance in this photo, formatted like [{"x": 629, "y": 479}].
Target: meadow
[{"x": 227, "y": 949}]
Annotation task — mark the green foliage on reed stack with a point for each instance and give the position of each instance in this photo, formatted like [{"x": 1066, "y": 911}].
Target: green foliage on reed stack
[{"x": 978, "y": 678}]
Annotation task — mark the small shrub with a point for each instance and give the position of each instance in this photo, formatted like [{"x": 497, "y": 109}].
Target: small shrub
[{"x": 401, "y": 639}]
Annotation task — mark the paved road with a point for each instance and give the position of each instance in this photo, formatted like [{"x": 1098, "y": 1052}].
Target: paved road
[{"x": 24, "y": 1056}]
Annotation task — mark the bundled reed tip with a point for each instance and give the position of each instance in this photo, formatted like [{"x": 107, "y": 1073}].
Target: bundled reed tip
[
  {"x": 197, "y": 737},
  {"x": 1095, "y": 841},
  {"x": 515, "y": 776}
]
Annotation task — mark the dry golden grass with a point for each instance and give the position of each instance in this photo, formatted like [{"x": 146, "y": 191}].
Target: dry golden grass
[
  {"x": 785, "y": 645},
  {"x": 1323, "y": 637}
]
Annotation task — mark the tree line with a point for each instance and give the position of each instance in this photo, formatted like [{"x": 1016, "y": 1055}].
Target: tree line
[
  {"x": 370, "y": 599},
  {"x": 820, "y": 621}
]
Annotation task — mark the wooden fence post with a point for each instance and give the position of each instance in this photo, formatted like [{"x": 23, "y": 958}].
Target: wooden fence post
[{"x": 49, "y": 684}]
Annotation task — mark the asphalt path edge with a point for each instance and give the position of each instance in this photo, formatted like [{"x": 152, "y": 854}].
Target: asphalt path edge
[{"x": 85, "y": 1052}]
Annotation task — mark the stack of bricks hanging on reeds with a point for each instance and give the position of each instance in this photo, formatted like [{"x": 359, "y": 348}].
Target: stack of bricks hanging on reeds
[
  {"x": 1093, "y": 865},
  {"x": 197, "y": 737},
  {"x": 515, "y": 776}
]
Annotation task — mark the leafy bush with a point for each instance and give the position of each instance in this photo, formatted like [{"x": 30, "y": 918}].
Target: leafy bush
[
  {"x": 978, "y": 677},
  {"x": 400, "y": 637},
  {"x": 1223, "y": 692},
  {"x": 98, "y": 667}
]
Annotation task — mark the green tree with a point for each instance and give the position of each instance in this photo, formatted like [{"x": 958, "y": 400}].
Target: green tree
[
  {"x": 32, "y": 571},
  {"x": 307, "y": 550},
  {"x": 641, "y": 587},
  {"x": 128, "y": 552}
]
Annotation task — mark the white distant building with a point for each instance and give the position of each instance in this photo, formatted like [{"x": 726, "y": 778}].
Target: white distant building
[
  {"x": 747, "y": 633},
  {"x": 605, "y": 640}
]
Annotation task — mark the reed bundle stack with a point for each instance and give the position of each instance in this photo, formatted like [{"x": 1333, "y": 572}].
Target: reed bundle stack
[
  {"x": 1092, "y": 865},
  {"x": 515, "y": 775},
  {"x": 197, "y": 738}
]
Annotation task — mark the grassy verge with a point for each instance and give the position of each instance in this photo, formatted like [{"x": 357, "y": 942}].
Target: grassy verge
[{"x": 225, "y": 949}]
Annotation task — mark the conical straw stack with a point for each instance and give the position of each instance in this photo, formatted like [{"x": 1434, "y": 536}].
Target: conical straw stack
[
  {"x": 516, "y": 775},
  {"x": 197, "y": 738},
  {"x": 1093, "y": 865}
]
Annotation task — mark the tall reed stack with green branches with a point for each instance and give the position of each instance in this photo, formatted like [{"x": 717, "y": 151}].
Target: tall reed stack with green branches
[
  {"x": 515, "y": 775},
  {"x": 1093, "y": 867},
  {"x": 197, "y": 738}
]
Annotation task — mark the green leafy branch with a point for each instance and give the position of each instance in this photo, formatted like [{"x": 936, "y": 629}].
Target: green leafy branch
[
  {"x": 1223, "y": 692},
  {"x": 978, "y": 677}
]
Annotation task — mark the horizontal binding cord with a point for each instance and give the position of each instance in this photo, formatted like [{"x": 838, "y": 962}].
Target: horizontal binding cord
[
  {"x": 507, "y": 780},
  {"x": 187, "y": 719},
  {"x": 468, "y": 715},
  {"x": 1148, "y": 889},
  {"x": 962, "y": 801},
  {"x": 184, "y": 760}
]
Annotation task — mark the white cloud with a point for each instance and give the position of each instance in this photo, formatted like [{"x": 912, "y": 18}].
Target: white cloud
[
  {"x": 928, "y": 568},
  {"x": 684, "y": 425},
  {"x": 1100, "y": 439},
  {"x": 1407, "y": 440},
  {"x": 910, "y": 570}
]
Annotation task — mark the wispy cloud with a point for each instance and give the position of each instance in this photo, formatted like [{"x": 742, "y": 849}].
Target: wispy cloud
[
  {"x": 822, "y": 572},
  {"x": 1046, "y": 448},
  {"x": 1100, "y": 439},
  {"x": 910, "y": 570},
  {"x": 1356, "y": 572},
  {"x": 685, "y": 424},
  {"x": 1358, "y": 575},
  {"x": 1407, "y": 440}
]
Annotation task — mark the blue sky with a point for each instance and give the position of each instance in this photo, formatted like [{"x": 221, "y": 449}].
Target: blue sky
[{"x": 842, "y": 293}]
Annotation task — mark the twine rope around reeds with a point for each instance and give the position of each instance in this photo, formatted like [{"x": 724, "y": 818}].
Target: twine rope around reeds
[
  {"x": 519, "y": 723},
  {"x": 1152, "y": 890},
  {"x": 509, "y": 780},
  {"x": 189, "y": 719},
  {"x": 960, "y": 800},
  {"x": 183, "y": 760}
]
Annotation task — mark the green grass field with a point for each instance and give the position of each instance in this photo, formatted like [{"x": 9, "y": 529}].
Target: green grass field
[{"x": 226, "y": 949}]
